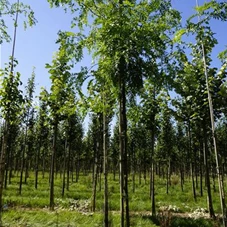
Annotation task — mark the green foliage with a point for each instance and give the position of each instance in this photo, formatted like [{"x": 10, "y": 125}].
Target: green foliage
[
  {"x": 61, "y": 99},
  {"x": 11, "y": 96},
  {"x": 9, "y": 9}
]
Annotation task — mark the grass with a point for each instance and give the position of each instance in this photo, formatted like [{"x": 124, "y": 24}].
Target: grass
[{"x": 31, "y": 207}]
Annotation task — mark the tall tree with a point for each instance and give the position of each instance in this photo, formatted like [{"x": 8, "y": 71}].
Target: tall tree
[
  {"x": 11, "y": 101},
  {"x": 60, "y": 74},
  {"x": 28, "y": 128},
  {"x": 125, "y": 34},
  {"x": 205, "y": 43}
]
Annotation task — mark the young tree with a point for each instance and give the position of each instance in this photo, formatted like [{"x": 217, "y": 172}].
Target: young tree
[
  {"x": 28, "y": 128},
  {"x": 202, "y": 50},
  {"x": 125, "y": 34},
  {"x": 11, "y": 101},
  {"x": 42, "y": 133}
]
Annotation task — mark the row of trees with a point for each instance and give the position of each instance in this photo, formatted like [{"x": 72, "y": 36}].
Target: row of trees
[{"x": 139, "y": 62}]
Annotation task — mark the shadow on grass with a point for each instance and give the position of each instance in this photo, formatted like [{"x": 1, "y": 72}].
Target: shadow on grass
[
  {"x": 189, "y": 222},
  {"x": 172, "y": 221}
]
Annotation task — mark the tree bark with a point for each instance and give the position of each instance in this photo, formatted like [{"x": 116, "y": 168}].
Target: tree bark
[
  {"x": 37, "y": 164},
  {"x": 52, "y": 166},
  {"x": 2, "y": 165},
  {"x": 105, "y": 171},
  {"x": 124, "y": 200},
  {"x": 152, "y": 171},
  {"x": 64, "y": 168},
  {"x": 191, "y": 164},
  {"x": 209, "y": 196}
]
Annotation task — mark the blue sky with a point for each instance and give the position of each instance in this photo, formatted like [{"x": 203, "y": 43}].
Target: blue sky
[{"x": 35, "y": 46}]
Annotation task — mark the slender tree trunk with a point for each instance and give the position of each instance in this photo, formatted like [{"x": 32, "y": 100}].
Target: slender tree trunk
[
  {"x": 139, "y": 169},
  {"x": 209, "y": 196},
  {"x": 43, "y": 166},
  {"x": 26, "y": 166},
  {"x": 124, "y": 202},
  {"x": 37, "y": 164},
  {"x": 201, "y": 167},
  {"x": 52, "y": 166},
  {"x": 68, "y": 161},
  {"x": 133, "y": 167},
  {"x": 105, "y": 171},
  {"x": 2, "y": 165},
  {"x": 168, "y": 177},
  {"x": 152, "y": 171},
  {"x": 77, "y": 169},
  {"x": 182, "y": 177},
  {"x": 8, "y": 154},
  {"x": 191, "y": 164},
  {"x": 23, "y": 160},
  {"x": 95, "y": 178},
  {"x": 64, "y": 168},
  {"x": 68, "y": 165},
  {"x": 196, "y": 170}
]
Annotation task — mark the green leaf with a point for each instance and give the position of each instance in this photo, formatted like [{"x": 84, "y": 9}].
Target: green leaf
[{"x": 178, "y": 36}]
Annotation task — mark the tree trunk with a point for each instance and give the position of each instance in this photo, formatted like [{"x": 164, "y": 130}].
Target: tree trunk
[
  {"x": 182, "y": 177},
  {"x": 95, "y": 175},
  {"x": 64, "y": 168},
  {"x": 209, "y": 196},
  {"x": 168, "y": 177},
  {"x": 2, "y": 165},
  {"x": 8, "y": 154},
  {"x": 133, "y": 167},
  {"x": 201, "y": 168},
  {"x": 23, "y": 146},
  {"x": 68, "y": 161},
  {"x": 191, "y": 164},
  {"x": 124, "y": 200},
  {"x": 152, "y": 171},
  {"x": 52, "y": 166},
  {"x": 37, "y": 164},
  {"x": 105, "y": 171}
]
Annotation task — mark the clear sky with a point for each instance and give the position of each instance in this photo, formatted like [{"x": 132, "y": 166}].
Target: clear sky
[{"x": 35, "y": 46}]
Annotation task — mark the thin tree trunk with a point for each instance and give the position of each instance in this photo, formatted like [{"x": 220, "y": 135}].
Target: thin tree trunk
[
  {"x": 64, "y": 168},
  {"x": 95, "y": 178},
  {"x": 2, "y": 165},
  {"x": 68, "y": 161},
  {"x": 191, "y": 164},
  {"x": 124, "y": 200},
  {"x": 133, "y": 167},
  {"x": 201, "y": 167},
  {"x": 44, "y": 166},
  {"x": 52, "y": 166},
  {"x": 105, "y": 171},
  {"x": 37, "y": 165},
  {"x": 68, "y": 165},
  {"x": 77, "y": 170},
  {"x": 168, "y": 177},
  {"x": 182, "y": 177},
  {"x": 8, "y": 154},
  {"x": 209, "y": 196},
  {"x": 23, "y": 160},
  {"x": 152, "y": 171}
]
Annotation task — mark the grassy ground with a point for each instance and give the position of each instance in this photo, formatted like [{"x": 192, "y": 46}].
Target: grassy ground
[{"x": 31, "y": 207}]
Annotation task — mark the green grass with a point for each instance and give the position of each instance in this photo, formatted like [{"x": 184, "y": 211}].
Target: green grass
[{"x": 31, "y": 207}]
